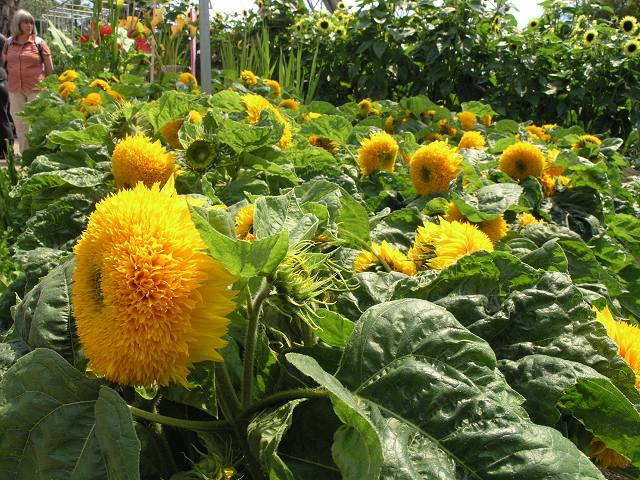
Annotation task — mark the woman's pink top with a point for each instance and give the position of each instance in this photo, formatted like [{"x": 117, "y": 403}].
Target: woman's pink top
[{"x": 24, "y": 64}]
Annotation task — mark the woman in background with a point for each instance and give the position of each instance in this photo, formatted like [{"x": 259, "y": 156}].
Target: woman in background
[
  {"x": 6, "y": 132},
  {"x": 28, "y": 61}
]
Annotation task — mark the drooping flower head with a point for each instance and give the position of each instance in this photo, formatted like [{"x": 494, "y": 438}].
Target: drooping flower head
[
  {"x": 101, "y": 84},
  {"x": 68, "y": 76},
  {"x": 629, "y": 24},
  {"x": 433, "y": 167},
  {"x": 522, "y": 160},
  {"x": 66, "y": 89},
  {"x": 138, "y": 159},
  {"x": 472, "y": 140},
  {"x": 365, "y": 107},
  {"x": 289, "y": 104},
  {"x": 486, "y": 120},
  {"x": 244, "y": 223},
  {"x": 255, "y": 104},
  {"x": 189, "y": 81},
  {"x": 586, "y": 139},
  {"x": 378, "y": 152},
  {"x": 170, "y": 133},
  {"x": 392, "y": 256},
  {"x": 467, "y": 120},
  {"x": 248, "y": 78},
  {"x": 276, "y": 89},
  {"x": 148, "y": 301},
  {"x": 439, "y": 245},
  {"x": 327, "y": 144}
]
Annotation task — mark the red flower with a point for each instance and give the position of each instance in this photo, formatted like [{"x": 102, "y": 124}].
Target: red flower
[
  {"x": 84, "y": 38},
  {"x": 106, "y": 30},
  {"x": 142, "y": 45}
]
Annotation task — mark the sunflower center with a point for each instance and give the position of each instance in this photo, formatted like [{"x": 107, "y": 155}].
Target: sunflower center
[
  {"x": 425, "y": 174},
  {"x": 627, "y": 26},
  {"x": 590, "y": 37},
  {"x": 633, "y": 47},
  {"x": 521, "y": 166}
]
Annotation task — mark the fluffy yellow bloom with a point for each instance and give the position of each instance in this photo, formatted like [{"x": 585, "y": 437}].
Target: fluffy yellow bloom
[
  {"x": 101, "y": 84},
  {"x": 68, "y": 76},
  {"x": 378, "y": 152},
  {"x": 495, "y": 229},
  {"x": 584, "y": 140},
  {"x": 538, "y": 132},
  {"x": 472, "y": 140},
  {"x": 446, "y": 128},
  {"x": 365, "y": 107},
  {"x": 388, "y": 124},
  {"x": 248, "y": 78},
  {"x": 290, "y": 104},
  {"x": 440, "y": 245},
  {"x": 629, "y": 24},
  {"x": 433, "y": 166},
  {"x": 606, "y": 457},
  {"x": 138, "y": 159},
  {"x": 92, "y": 100},
  {"x": 66, "y": 89},
  {"x": 467, "y": 120},
  {"x": 311, "y": 116},
  {"x": 326, "y": 143},
  {"x": 429, "y": 113},
  {"x": 625, "y": 336},
  {"x": 255, "y": 104},
  {"x": 244, "y": 222},
  {"x": 189, "y": 80},
  {"x": 170, "y": 132},
  {"x": 392, "y": 256},
  {"x": 118, "y": 97},
  {"x": 195, "y": 117},
  {"x": 148, "y": 302},
  {"x": 276, "y": 89},
  {"x": 522, "y": 160},
  {"x": 486, "y": 120},
  {"x": 526, "y": 218}
]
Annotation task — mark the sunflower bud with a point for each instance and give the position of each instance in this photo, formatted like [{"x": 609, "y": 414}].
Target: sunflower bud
[{"x": 201, "y": 155}]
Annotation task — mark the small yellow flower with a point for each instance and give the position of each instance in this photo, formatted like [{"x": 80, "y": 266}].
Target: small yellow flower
[
  {"x": 378, "y": 152},
  {"x": 472, "y": 140},
  {"x": 68, "y": 76},
  {"x": 195, "y": 117},
  {"x": 101, "y": 84},
  {"x": 392, "y": 256},
  {"x": 248, "y": 78},
  {"x": 290, "y": 104},
  {"x": 433, "y": 167},
  {"x": 526, "y": 218},
  {"x": 365, "y": 107},
  {"x": 538, "y": 132},
  {"x": 388, "y": 124},
  {"x": 138, "y": 159},
  {"x": 584, "y": 140},
  {"x": 189, "y": 80},
  {"x": 92, "y": 100},
  {"x": 631, "y": 47},
  {"x": 276, "y": 90},
  {"x": 486, "y": 120},
  {"x": 170, "y": 132},
  {"x": 244, "y": 223},
  {"x": 522, "y": 160},
  {"x": 495, "y": 229},
  {"x": 66, "y": 89},
  {"x": 311, "y": 116},
  {"x": 467, "y": 120}
]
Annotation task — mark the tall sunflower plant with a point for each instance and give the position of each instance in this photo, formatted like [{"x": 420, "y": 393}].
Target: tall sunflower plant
[{"x": 225, "y": 286}]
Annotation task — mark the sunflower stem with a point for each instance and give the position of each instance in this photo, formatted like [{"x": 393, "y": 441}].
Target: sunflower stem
[
  {"x": 226, "y": 390},
  {"x": 254, "y": 305},
  {"x": 197, "y": 425},
  {"x": 282, "y": 397}
]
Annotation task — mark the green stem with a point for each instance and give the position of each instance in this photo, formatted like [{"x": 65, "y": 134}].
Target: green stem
[
  {"x": 282, "y": 397},
  {"x": 251, "y": 338},
  {"x": 197, "y": 425},
  {"x": 226, "y": 390}
]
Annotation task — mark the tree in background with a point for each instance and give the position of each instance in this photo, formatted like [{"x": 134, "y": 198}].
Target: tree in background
[
  {"x": 7, "y": 9},
  {"x": 38, "y": 7}
]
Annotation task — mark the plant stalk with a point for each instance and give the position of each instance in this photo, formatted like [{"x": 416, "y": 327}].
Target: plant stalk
[
  {"x": 283, "y": 397},
  {"x": 197, "y": 425}
]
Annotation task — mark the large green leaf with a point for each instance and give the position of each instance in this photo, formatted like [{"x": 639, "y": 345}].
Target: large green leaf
[
  {"x": 333, "y": 127},
  {"x": 96, "y": 134},
  {"x": 274, "y": 214},
  {"x": 55, "y": 423},
  {"x": 243, "y": 137},
  {"x": 43, "y": 318},
  {"x": 488, "y": 202},
  {"x": 413, "y": 361}
]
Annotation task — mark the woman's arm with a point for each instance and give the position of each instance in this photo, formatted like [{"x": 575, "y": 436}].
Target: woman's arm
[{"x": 48, "y": 63}]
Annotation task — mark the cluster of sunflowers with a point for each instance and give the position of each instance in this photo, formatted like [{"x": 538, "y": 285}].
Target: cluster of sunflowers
[
  {"x": 334, "y": 26},
  {"x": 97, "y": 89}
]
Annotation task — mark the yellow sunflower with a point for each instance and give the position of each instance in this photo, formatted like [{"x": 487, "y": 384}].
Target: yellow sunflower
[
  {"x": 170, "y": 132},
  {"x": 138, "y": 159},
  {"x": 290, "y": 104},
  {"x": 446, "y": 128},
  {"x": 365, "y": 107},
  {"x": 326, "y": 143},
  {"x": 255, "y": 104},
  {"x": 433, "y": 166},
  {"x": 472, "y": 140},
  {"x": 467, "y": 120},
  {"x": 590, "y": 36},
  {"x": 66, "y": 89},
  {"x": 526, "y": 218},
  {"x": 189, "y": 80},
  {"x": 629, "y": 24},
  {"x": 495, "y": 229},
  {"x": 606, "y": 457},
  {"x": 244, "y": 223},
  {"x": 248, "y": 78},
  {"x": 584, "y": 140},
  {"x": 68, "y": 76},
  {"x": 631, "y": 48},
  {"x": 101, "y": 84},
  {"x": 378, "y": 152},
  {"x": 440, "y": 245},
  {"x": 323, "y": 24},
  {"x": 522, "y": 160},
  {"x": 92, "y": 100},
  {"x": 148, "y": 302},
  {"x": 388, "y": 124},
  {"x": 538, "y": 132},
  {"x": 533, "y": 23},
  {"x": 392, "y": 256},
  {"x": 195, "y": 117},
  {"x": 486, "y": 120},
  {"x": 276, "y": 89}
]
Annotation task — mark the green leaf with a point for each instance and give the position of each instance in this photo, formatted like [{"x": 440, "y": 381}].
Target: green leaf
[
  {"x": 96, "y": 134},
  {"x": 549, "y": 256},
  {"x": 275, "y": 214},
  {"x": 43, "y": 318},
  {"x": 227, "y": 100},
  {"x": 239, "y": 257},
  {"x": 48, "y": 406},
  {"x": 488, "y": 202},
  {"x": 333, "y": 127},
  {"x": 353, "y": 221},
  {"x": 201, "y": 393},
  {"x": 243, "y": 137},
  {"x": 334, "y": 328},
  {"x": 451, "y": 393},
  {"x": 265, "y": 432},
  {"x": 82, "y": 177}
]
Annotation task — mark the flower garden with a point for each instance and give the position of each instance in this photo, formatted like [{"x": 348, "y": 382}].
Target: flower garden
[{"x": 290, "y": 279}]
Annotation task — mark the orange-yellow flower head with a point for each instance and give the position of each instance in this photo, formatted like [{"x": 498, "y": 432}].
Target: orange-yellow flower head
[
  {"x": 486, "y": 120},
  {"x": 378, "y": 152},
  {"x": 276, "y": 89},
  {"x": 586, "y": 139},
  {"x": 195, "y": 116},
  {"x": 66, "y": 89},
  {"x": 326, "y": 143},
  {"x": 495, "y": 229},
  {"x": 244, "y": 223},
  {"x": 522, "y": 160},
  {"x": 289, "y": 104},
  {"x": 392, "y": 256},
  {"x": 538, "y": 132},
  {"x": 189, "y": 81},
  {"x": 68, "y": 76},
  {"x": 365, "y": 107},
  {"x": 255, "y": 104},
  {"x": 101, "y": 84},
  {"x": 248, "y": 78},
  {"x": 526, "y": 218},
  {"x": 433, "y": 166},
  {"x": 472, "y": 140},
  {"x": 92, "y": 100},
  {"x": 138, "y": 159},
  {"x": 170, "y": 133},
  {"x": 148, "y": 301},
  {"x": 440, "y": 245},
  {"x": 467, "y": 120}
]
